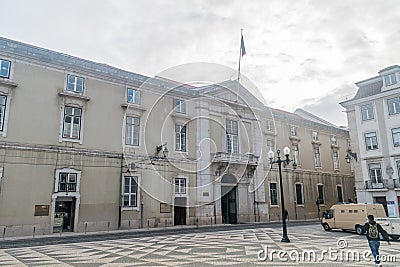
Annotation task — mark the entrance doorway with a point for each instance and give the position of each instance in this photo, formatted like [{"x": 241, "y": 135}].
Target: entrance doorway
[
  {"x": 228, "y": 205},
  {"x": 382, "y": 200},
  {"x": 64, "y": 216},
  {"x": 180, "y": 211}
]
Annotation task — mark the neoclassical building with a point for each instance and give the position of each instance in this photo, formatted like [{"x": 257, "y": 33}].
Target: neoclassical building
[
  {"x": 374, "y": 122},
  {"x": 87, "y": 147}
]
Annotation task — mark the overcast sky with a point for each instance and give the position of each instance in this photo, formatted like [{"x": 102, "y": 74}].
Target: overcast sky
[{"x": 304, "y": 54}]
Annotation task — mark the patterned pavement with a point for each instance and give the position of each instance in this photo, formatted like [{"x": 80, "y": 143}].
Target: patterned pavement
[{"x": 220, "y": 248}]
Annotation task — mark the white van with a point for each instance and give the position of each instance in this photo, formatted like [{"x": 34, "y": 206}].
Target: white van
[
  {"x": 351, "y": 216},
  {"x": 391, "y": 226}
]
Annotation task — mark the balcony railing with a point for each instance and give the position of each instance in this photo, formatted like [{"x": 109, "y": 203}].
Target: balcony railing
[
  {"x": 235, "y": 158},
  {"x": 67, "y": 187},
  {"x": 385, "y": 184}
]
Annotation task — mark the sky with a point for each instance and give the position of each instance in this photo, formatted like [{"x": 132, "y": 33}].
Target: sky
[{"x": 300, "y": 54}]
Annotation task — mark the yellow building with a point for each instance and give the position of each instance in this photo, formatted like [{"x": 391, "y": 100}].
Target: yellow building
[{"x": 86, "y": 147}]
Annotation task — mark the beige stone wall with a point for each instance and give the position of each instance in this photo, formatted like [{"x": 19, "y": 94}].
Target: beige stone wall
[
  {"x": 31, "y": 153},
  {"x": 307, "y": 174}
]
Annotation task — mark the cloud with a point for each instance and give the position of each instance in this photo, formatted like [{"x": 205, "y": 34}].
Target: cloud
[
  {"x": 327, "y": 106},
  {"x": 296, "y": 50}
]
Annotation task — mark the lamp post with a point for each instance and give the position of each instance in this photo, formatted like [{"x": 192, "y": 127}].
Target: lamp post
[
  {"x": 350, "y": 155},
  {"x": 285, "y": 162}
]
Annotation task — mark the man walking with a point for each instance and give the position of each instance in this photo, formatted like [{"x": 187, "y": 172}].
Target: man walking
[{"x": 373, "y": 230}]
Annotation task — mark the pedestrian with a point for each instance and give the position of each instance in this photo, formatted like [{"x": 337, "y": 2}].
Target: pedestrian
[
  {"x": 373, "y": 230},
  {"x": 286, "y": 215}
]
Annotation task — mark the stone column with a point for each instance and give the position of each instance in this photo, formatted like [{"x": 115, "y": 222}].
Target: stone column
[{"x": 204, "y": 179}]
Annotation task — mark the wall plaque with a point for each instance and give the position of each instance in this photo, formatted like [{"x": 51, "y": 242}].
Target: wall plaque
[
  {"x": 42, "y": 210},
  {"x": 165, "y": 208}
]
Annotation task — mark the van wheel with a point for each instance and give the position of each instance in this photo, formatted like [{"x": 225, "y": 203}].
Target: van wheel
[
  {"x": 326, "y": 227},
  {"x": 395, "y": 237},
  {"x": 358, "y": 229}
]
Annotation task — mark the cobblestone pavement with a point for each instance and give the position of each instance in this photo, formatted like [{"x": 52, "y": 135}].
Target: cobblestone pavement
[{"x": 236, "y": 247}]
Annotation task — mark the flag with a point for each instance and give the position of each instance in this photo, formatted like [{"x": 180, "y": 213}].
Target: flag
[{"x": 242, "y": 48}]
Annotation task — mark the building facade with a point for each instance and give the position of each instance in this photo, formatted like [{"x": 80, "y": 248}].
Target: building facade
[
  {"x": 88, "y": 147},
  {"x": 374, "y": 123}
]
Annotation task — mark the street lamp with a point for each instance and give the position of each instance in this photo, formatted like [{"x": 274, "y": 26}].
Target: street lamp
[
  {"x": 164, "y": 151},
  {"x": 350, "y": 155},
  {"x": 285, "y": 162}
]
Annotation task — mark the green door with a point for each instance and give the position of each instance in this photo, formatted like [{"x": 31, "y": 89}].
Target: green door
[{"x": 228, "y": 206}]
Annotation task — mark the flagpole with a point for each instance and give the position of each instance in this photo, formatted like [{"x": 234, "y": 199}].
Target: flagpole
[{"x": 240, "y": 58}]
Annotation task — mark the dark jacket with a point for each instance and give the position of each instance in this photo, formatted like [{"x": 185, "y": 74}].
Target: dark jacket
[{"x": 380, "y": 230}]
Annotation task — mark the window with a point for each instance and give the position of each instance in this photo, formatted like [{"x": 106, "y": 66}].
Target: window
[
  {"x": 180, "y": 185},
  {"x": 132, "y": 131},
  {"x": 67, "y": 182},
  {"x": 317, "y": 157},
  {"x": 293, "y": 131},
  {"x": 390, "y": 79},
  {"x": 270, "y": 145},
  {"x": 367, "y": 112},
  {"x": 320, "y": 189},
  {"x": 273, "y": 193},
  {"x": 232, "y": 135},
  {"x": 180, "y": 106},
  {"x": 295, "y": 153},
  {"x": 74, "y": 84},
  {"x": 133, "y": 96},
  {"x": 398, "y": 168},
  {"x": 299, "y": 194},
  {"x": 315, "y": 136},
  {"x": 375, "y": 173},
  {"x": 396, "y": 136},
  {"x": 5, "y": 68},
  {"x": 371, "y": 141},
  {"x": 3, "y": 101},
  {"x": 130, "y": 191},
  {"x": 348, "y": 143},
  {"x": 180, "y": 137},
  {"x": 335, "y": 156},
  {"x": 339, "y": 193},
  {"x": 333, "y": 140},
  {"x": 394, "y": 105},
  {"x": 72, "y": 122},
  {"x": 270, "y": 126}
]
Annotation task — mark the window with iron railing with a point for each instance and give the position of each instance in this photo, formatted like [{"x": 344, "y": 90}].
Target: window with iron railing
[{"x": 67, "y": 182}]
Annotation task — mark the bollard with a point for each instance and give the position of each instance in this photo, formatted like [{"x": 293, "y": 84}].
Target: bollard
[
  {"x": 197, "y": 222},
  {"x": 108, "y": 226},
  {"x": 4, "y": 232},
  {"x": 85, "y": 228},
  {"x": 129, "y": 224},
  {"x": 148, "y": 224},
  {"x": 34, "y": 230}
]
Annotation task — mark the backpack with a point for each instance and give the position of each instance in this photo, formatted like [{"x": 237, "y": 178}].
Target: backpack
[{"x": 373, "y": 231}]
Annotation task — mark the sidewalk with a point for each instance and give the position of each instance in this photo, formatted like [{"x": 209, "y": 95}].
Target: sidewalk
[{"x": 70, "y": 237}]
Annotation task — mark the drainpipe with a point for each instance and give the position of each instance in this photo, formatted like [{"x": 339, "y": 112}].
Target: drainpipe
[{"x": 120, "y": 193}]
